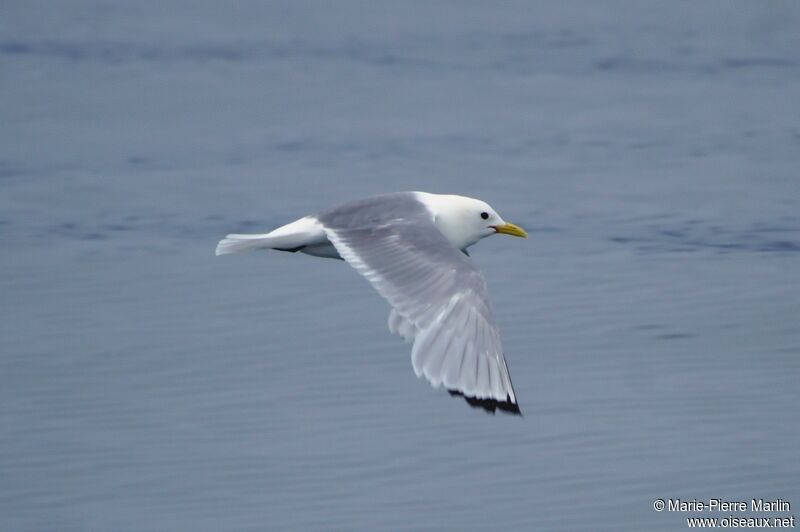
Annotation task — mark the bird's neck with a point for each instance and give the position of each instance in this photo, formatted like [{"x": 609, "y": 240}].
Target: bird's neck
[{"x": 448, "y": 219}]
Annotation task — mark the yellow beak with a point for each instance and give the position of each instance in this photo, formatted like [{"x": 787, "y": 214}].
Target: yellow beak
[{"x": 511, "y": 229}]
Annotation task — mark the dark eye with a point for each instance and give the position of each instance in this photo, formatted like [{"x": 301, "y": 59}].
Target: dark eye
[{"x": 485, "y": 215}]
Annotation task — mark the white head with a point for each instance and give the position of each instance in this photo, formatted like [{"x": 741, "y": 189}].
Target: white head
[{"x": 464, "y": 221}]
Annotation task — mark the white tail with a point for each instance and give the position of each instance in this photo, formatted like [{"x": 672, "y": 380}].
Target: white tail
[
  {"x": 300, "y": 233},
  {"x": 238, "y": 243}
]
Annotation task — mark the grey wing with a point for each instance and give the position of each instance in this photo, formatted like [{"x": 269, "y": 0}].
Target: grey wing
[{"x": 439, "y": 299}]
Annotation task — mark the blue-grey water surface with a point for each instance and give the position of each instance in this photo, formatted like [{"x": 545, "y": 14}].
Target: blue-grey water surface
[{"x": 650, "y": 322}]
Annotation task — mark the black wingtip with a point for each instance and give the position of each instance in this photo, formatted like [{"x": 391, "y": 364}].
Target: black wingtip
[{"x": 489, "y": 405}]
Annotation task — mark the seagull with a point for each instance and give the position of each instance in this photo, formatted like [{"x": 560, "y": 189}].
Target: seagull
[{"x": 412, "y": 248}]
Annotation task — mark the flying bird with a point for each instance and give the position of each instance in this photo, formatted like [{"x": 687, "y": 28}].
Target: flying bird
[{"x": 412, "y": 248}]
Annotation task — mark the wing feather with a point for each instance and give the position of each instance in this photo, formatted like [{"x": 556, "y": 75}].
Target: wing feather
[{"x": 438, "y": 298}]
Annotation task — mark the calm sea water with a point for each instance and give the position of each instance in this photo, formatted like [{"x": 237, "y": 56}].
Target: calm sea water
[{"x": 650, "y": 323}]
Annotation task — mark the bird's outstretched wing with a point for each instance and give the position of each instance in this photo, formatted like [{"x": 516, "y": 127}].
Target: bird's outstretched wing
[{"x": 439, "y": 298}]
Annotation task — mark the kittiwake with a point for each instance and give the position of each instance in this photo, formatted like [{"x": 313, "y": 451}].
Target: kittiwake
[{"x": 412, "y": 248}]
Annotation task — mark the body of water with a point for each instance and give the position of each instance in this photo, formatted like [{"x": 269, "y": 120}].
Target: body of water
[{"x": 650, "y": 322}]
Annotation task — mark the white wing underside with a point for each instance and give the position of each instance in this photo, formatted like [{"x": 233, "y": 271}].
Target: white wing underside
[{"x": 439, "y": 301}]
